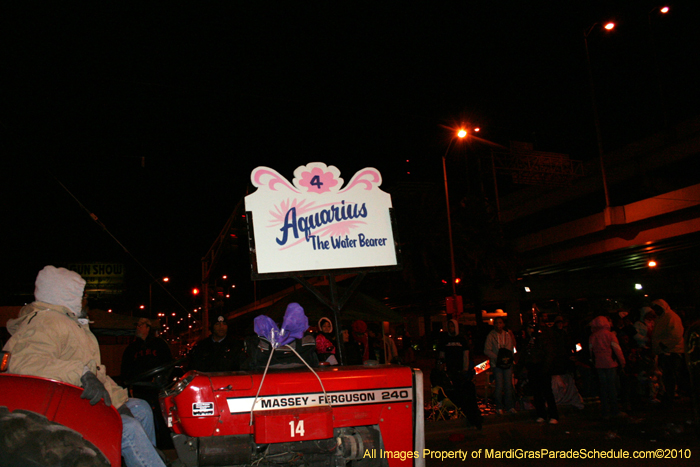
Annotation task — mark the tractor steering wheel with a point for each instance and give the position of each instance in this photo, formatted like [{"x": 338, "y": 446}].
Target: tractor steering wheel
[{"x": 158, "y": 377}]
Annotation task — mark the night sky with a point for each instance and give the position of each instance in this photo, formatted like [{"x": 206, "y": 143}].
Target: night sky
[{"x": 154, "y": 115}]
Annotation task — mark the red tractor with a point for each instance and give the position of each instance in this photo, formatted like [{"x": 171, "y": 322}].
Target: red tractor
[
  {"x": 359, "y": 415},
  {"x": 366, "y": 416}
]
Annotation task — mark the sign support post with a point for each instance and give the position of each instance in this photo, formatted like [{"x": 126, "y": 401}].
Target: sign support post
[{"x": 315, "y": 226}]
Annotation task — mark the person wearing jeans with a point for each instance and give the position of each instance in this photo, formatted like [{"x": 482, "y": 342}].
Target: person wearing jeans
[
  {"x": 607, "y": 357},
  {"x": 51, "y": 338},
  {"x": 502, "y": 371}
]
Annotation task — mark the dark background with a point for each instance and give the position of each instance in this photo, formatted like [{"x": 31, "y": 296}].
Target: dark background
[{"x": 153, "y": 115}]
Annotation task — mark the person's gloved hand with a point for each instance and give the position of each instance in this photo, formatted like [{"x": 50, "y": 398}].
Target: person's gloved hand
[
  {"x": 94, "y": 390},
  {"x": 124, "y": 410}
]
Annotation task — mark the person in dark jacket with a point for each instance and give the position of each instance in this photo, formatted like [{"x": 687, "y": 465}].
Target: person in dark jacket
[
  {"x": 352, "y": 350},
  {"x": 454, "y": 353},
  {"x": 148, "y": 351},
  {"x": 218, "y": 352},
  {"x": 537, "y": 358}
]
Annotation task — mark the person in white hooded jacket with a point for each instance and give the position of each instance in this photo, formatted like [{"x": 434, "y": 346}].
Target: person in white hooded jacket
[
  {"x": 667, "y": 342},
  {"x": 51, "y": 338}
]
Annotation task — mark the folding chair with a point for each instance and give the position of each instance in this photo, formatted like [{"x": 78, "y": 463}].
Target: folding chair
[{"x": 442, "y": 407}]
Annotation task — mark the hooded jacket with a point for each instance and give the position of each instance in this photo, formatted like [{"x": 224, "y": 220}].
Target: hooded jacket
[
  {"x": 603, "y": 344},
  {"x": 668, "y": 331},
  {"x": 49, "y": 340},
  {"x": 325, "y": 344},
  {"x": 496, "y": 341}
]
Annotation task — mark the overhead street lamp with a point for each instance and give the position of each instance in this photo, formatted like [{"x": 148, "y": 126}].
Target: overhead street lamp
[{"x": 608, "y": 27}]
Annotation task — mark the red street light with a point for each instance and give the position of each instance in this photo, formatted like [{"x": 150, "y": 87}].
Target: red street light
[{"x": 195, "y": 291}]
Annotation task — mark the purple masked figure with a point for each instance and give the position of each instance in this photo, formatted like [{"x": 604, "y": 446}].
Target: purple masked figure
[{"x": 294, "y": 324}]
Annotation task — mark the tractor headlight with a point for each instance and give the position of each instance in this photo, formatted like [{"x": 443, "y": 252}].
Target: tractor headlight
[{"x": 178, "y": 387}]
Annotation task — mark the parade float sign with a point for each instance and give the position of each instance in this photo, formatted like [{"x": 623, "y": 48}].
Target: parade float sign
[{"x": 315, "y": 224}]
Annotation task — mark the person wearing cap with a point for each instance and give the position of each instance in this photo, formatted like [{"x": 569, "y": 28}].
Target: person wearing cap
[
  {"x": 146, "y": 352},
  {"x": 51, "y": 338},
  {"x": 218, "y": 352}
]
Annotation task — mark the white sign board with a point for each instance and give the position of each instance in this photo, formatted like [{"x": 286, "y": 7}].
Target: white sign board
[{"x": 316, "y": 224}]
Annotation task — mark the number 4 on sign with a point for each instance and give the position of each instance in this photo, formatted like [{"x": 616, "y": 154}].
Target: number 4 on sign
[
  {"x": 316, "y": 181},
  {"x": 299, "y": 430}
]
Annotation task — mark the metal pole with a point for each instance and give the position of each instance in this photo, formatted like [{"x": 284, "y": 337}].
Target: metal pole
[
  {"x": 205, "y": 298},
  {"x": 339, "y": 346},
  {"x": 596, "y": 120},
  {"x": 654, "y": 54},
  {"x": 495, "y": 187},
  {"x": 449, "y": 225}
]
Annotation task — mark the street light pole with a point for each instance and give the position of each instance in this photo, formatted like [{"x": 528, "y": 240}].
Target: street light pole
[
  {"x": 449, "y": 224},
  {"x": 662, "y": 99},
  {"x": 594, "y": 104},
  {"x": 461, "y": 134}
]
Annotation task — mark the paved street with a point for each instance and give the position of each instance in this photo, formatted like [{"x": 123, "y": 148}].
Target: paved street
[{"x": 653, "y": 429}]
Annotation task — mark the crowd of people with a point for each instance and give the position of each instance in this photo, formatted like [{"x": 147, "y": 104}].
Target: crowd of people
[
  {"x": 627, "y": 360},
  {"x": 631, "y": 358},
  {"x": 51, "y": 338}
]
